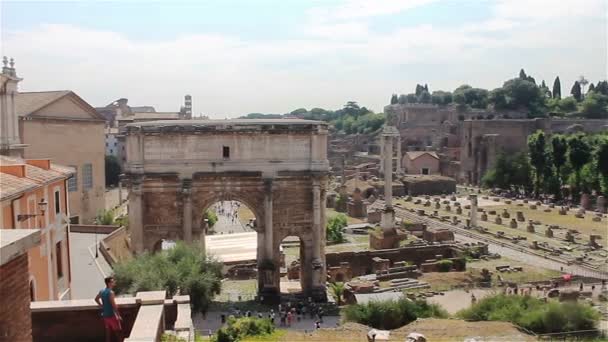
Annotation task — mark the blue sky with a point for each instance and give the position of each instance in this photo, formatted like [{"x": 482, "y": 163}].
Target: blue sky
[{"x": 237, "y": 57}]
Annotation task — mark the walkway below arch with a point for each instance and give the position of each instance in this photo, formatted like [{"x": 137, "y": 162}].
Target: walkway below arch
[{"x": 231, "y": 248}]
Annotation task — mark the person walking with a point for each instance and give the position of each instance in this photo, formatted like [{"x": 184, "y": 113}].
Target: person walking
[{"x": 111, "y": 318}]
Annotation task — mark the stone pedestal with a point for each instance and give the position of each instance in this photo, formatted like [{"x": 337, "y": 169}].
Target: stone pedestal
[
  {"x": 388, "y": 219},
  {"x": 505, "y": 214},
  {"x": 530, "y": 227},
  {"x": 585, "y": 202},
  {"x": 520, "y": 217},
  {"x": 498, "y": 220},
  {"x": 549, "y": 232},
  {"x": 459, "y": 210},
  {"x": 513, "y": 223},
  {"x": 484, "y": 216},
  {"x": 473, "y": 218},
  {"x": 601, "y": 205}
]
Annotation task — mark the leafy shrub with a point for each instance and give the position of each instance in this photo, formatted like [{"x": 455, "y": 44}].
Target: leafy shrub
[
  {"x": 240, "y": 328},
  {"x": 445, "y": 265},
  {"x": 334, "y": 228},
  {"x": 533, "y": 313},
  {"x": 392, "y": 314},
  {"x": 211, "y": 217},
  {"x": 105, "y": 217},
  {"x": 183, "y": 267}
]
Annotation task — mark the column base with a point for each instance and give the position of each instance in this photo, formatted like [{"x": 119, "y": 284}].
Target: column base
[
  {"x": 319, "y": 294},
  {"x": 269, "y": 295},
  {"x": 387, "y": 220}
]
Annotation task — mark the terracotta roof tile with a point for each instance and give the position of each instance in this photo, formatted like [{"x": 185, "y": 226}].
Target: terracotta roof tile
[
  {"x": 415, "y": 154},
  {"x": 34, "y": 177}
]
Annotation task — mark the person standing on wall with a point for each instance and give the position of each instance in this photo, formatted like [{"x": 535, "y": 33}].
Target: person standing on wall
[{"x": 111, "y": 318}]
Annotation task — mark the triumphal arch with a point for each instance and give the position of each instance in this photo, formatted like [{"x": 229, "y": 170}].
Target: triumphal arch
[{"x": 175, "y": 170}]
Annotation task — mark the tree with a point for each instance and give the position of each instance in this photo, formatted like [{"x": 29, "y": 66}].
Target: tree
[
  {"x": 579, "y": 154},
  {"x": 602, "y": 87},
  {"x": 426, "y": 87},
  {"x": 522, "y": 74},
  {"x": 591, "y": 88},
  {"x": 523, "y": 93},
  {"x": 335, "y": 225},
  {"x": 337, "y": 291},
  {"x": 211, "y": 217},
  {"x": 538, "y": 157},
  {"x": 402, "y": 99},
  {"x": 545, "y": 90},
  {"x": 601, "y": 156},
  {"x": 474, "y": 97},
  {"x": 184, "y": 268},
  {"x": 105, "y": 217},
  {"x": 576, "y": 91},
  {"x": 594, "y": 106},
  {"x": 498, "y": 98},
  {"x": 557, "y": 88},
  {"x": 559, "y": 148},
  {"x": 112, "y": 171},
  {"x": 441, "y": 98},
  {"x": 419, "y": 89},
  {"x": 568, "y": 105},
  {"x": 411, "y": 98},
  {"x": 424, "y": 97},
  {"x": 299, "y": 112},
  {"x": 394, "y": 99}
]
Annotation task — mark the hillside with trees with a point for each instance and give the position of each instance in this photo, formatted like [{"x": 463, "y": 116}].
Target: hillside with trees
[
  {"x": 350, "y": 119},
  {"x": 521, "y": 93}
]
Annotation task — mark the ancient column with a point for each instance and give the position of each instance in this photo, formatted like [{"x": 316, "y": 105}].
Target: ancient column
[
  {"x": 388, "y": 174},
  {"x": 187, "y": 209},
  {"x": 316, "y": 220},
  {"x": 268, "y": 236},
  {"x": 399, "y": 166},
  {"x": 473, "y": 216},
  {"x": 382, "y": 149},
  {"x": 135, "y": 210}
]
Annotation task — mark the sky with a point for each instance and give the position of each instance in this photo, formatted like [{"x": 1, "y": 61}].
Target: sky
[{"x": 242, "y": 56}]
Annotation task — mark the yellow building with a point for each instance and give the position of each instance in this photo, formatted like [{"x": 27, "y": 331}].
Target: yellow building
[{"x": 33, "y": 196}]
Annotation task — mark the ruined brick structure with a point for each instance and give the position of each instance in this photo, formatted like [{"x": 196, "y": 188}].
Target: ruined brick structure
[{"x": 278, "y": 168}]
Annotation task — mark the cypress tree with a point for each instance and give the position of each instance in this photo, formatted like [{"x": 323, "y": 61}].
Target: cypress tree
[
  {"x": 576, "y": 91},
  {"x": 522, "y": 74},
  {"x": 394, "y": 99},
  {"x": 557, "y": 89},
  {"x": 591, "y": 87}
]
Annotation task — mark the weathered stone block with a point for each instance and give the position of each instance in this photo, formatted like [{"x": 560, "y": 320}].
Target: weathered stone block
[
  {"x": 484, "y": 216},
  {"x": 520, "y": 216},
  {"x": 498, "y": 220},
  {"x": 513, "y": 223},
  {"x": 505, "y": 214}
]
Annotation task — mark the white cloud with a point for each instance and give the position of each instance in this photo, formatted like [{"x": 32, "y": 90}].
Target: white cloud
[
  {"x": 326, "y": 65},
  {"x": 356, "y": 9}
]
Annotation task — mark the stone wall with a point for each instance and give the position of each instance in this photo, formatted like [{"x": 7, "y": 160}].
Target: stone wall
[
  {"x": 15, "y": 316},
  {"x": 415, "y": 185}
]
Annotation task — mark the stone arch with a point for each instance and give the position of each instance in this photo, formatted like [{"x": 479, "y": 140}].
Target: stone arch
[{"x": 277, "y": 168}]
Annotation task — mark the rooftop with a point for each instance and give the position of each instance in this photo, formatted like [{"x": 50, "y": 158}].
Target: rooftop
[
  {"x": 226, "y": 125},
  {"x": 416, "y": 154},
  {"x": 34, "y": 176}
]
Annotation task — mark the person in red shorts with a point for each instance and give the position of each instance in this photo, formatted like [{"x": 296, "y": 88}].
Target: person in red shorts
[{"x": 111, "y": 318}]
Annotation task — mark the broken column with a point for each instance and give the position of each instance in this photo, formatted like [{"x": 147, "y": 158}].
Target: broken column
[
  {"x": 601, "y": 204},
  {"x": 585, "y": 202},
  {"x": 399, "y": 166},
  {"x": 388, "y": 215},
  {"x": 549, "y": 232},
  {"x": 513, "y": 223},
  {"x": 520, "y": 216},
  {"x": 473, "y": 218}
]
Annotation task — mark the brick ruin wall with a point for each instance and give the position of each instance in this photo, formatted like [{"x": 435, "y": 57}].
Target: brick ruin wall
[
  {"x": 361, "y": 262},
  {"x": 15, "y": 316}
]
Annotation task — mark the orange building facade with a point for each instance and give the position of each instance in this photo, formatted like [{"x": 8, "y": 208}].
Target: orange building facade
[{"x": 33, "y": 196}]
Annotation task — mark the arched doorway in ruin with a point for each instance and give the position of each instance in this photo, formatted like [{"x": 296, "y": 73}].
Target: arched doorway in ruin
[{"x": 277, "y": 168}]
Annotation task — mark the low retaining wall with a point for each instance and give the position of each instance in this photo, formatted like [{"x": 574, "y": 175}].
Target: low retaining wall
[
  {"x": 80, "y": 320},
  {"x": 115, "y": 247},
  {"x": 93, "y": 228}
]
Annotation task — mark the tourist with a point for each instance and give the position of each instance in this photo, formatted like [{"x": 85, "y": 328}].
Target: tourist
[
  {"x": 318, "y": 325},
  {"x": 111, "y": 318},
  {"x": 260, "y": 315},
  {"x": 580, "y": 288},
  {"x": 289, "y": 318},
  {"x": 473, "y": 299}
]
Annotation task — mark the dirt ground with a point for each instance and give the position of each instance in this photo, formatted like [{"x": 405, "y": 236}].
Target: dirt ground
[{"x": 432, "y": 329}]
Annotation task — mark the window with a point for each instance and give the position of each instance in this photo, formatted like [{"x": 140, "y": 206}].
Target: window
[
  {"x": 226, "y": 152},
  {"x": 57, "y": 202},
  {"x": 58, "y": 257},
  {"x": 111, "y": 151},
  {"x": 87, "y": 176},
  {"x": 425, "y": 170},
  {"x": 73, "y": 181}
]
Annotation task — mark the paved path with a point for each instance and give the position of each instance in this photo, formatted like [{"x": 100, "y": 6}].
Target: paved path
[
  {"x": 233, "y": 247},
  {"x": 87, "y": 275}
]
